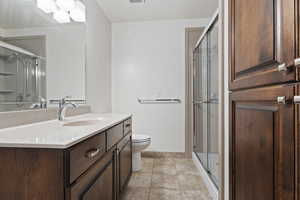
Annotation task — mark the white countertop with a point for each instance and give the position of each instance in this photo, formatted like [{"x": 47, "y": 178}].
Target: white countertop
[{"x": 52, "y": 134}]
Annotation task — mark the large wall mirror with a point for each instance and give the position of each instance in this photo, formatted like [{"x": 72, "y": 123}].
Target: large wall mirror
[{"x": 42, "y": 52}]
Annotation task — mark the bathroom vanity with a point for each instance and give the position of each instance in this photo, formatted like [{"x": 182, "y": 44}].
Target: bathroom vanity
[{"x": 87, "y": 157}]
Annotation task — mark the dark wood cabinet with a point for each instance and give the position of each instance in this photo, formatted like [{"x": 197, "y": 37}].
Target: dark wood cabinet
[
  {"x": 103, "y": 187},
  {"x": 97, "y": 183},
  {"x": 84, "y": 154},
  {"x": 114, "y": 135},
  {"x": 31, "y": 174},
  {"x": 125, "y": 162},
  {"x": 297, "y": 140},
  {"x": 263, "y": 38},
  {"x": 262, "y": 144},
  {"x": 97, "y": 168},
  {"x": 264, "y": 48}
]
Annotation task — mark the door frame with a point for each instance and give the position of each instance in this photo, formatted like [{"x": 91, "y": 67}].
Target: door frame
[
  {"x": 222, "y": 104},
  {"x": 189, "y": 101}
]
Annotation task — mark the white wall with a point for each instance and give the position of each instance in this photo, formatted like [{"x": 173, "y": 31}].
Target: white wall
[
  {"x": 2, "y": 32},
  {"x": 65, "y": 58},
  {"x": 98, "y": 70},
  {"x": 148, "y": 60}
]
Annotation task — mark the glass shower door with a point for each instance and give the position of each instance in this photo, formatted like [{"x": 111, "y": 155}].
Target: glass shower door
[
  {"x": 213, "y": 104},
  {"x": 205, "y": 108},
  {"x": 197, "y": 98},
  {"x": 206, "y": 103},
  {"x": 200, "y": 99}
]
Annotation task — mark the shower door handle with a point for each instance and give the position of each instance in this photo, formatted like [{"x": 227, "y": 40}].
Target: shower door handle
[{"x": 197, "y": 102}]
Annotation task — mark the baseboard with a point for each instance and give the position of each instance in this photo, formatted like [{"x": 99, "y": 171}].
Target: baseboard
[
  {"x": 156, "y": 154},
  {"x": 210, "y": 185}
]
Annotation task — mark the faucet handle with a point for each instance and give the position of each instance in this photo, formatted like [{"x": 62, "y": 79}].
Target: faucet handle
[
  {"x": 63, "y": 100},
  {"x": 67, "y": 97}
]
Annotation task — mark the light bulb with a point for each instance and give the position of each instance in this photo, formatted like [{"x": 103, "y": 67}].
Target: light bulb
[
  {"x": 78, "y": 12},
  {"x": 61, "y": 16},
  {"x": 48, "y": 6},
  {"x": 66, "y": 5}
]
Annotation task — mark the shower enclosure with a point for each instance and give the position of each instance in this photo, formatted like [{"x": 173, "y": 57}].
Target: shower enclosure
[
  {"x": 206, "y": 101},
  {"x": 19, "y": 79}
]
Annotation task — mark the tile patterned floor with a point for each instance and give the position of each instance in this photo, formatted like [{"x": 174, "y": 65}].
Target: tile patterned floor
[{"x": 167, "y": 179}]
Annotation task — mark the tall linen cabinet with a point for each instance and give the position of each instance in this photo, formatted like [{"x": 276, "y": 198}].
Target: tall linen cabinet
[{"x": 264, "y": 111}]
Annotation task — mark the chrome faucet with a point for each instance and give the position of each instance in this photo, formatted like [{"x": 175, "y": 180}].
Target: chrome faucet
[{"x": 63, "y": 104}]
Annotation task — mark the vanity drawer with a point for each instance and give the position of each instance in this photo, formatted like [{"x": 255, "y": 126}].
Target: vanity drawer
[
  {"x": 114, "y": 135},
  {"x": 96, "y": 183},
  {"x": 127, "y": 126},
  {"x": 124, "y": 141},
  {"x": 84, "y": 154}
]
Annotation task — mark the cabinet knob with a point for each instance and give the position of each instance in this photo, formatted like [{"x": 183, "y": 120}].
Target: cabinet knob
[
  {"x": 282, "y": 67},
  {"x": 281, "y": 100},
  {"x": 297, "y": 99},
  {"x": 297, "y": 62}
]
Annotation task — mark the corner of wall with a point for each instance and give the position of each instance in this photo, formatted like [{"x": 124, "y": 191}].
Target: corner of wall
[{"x": 98, "y": 67}]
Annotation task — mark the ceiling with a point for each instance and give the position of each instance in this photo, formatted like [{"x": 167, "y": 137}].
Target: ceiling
[{"x": 124, "y": 11}]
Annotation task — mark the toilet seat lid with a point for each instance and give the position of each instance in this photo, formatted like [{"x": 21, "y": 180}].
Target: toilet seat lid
[{"x": 140, "y": 138}]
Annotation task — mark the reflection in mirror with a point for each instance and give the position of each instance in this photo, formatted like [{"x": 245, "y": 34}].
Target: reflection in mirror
[{"x": 42, "y": 52}]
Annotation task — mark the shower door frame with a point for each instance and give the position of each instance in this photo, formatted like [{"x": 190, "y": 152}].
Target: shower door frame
[{"x": 189, "y": 98}]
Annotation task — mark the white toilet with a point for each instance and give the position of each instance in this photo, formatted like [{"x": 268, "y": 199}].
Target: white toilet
[{"x": 139, "y": 143}]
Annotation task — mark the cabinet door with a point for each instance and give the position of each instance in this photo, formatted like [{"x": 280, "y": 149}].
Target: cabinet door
[
  {"x": 125, "y": 164},
  {"x": 102, "y": 187},
  {"x": 262, "y": 38},
  {"x": 262, "y": 144},
  {"x": 97, "y": 183},
  {"x": 297, "y": 22}
]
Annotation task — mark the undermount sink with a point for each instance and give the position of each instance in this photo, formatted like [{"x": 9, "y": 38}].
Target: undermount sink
[{"x": 82, "y": 123}]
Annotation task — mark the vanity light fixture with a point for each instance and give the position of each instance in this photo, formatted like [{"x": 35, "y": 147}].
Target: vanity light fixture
[
  {"x": 66, "y": 5},
  {"x": 62, "y": 17},
  {"x": 48, "y": 6},
  {"x": 63, "y": 10},
  {"x": 78, "y": 12}
]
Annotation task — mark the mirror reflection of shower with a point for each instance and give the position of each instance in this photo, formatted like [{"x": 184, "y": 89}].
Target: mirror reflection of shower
[{"x": 20, "y": 79}]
